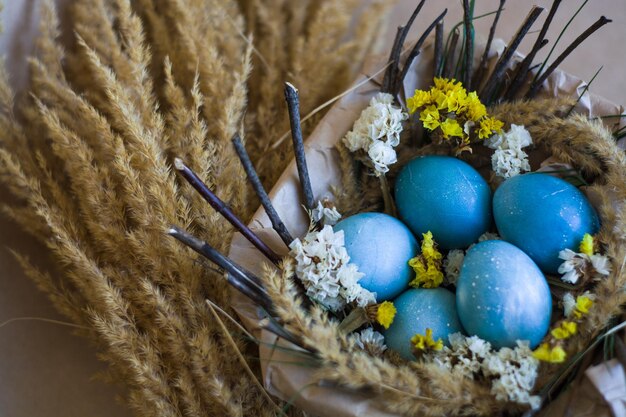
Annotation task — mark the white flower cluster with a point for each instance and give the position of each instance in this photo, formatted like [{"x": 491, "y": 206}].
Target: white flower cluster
[
  {"x": 512, "y": 372},
  {"x": 325, "y": 213},
  {"x": 377, "y": 131},
  {"x": 323, "y": 265},
  {"x": 576, "y": 265},
  {"x": 371, "y": 341},
  {"x": 509, "y": 159},
  {"x": 454, "y": 260}
]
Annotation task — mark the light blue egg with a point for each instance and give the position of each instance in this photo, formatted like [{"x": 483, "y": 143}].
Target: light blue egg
[
  {"x": 417, "y": 310},
  {"x": 446, "y": 196},
  {"x": 543, "y": 215},
  {"x": 502, "y": 296},
  {"x": 381, "y": 247}
]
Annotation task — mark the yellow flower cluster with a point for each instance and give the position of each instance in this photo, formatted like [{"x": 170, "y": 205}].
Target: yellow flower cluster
[
  {"x": 552, "y": 351},
  {"x": 587, "y": 245},
  {"x": 385, "y": 314},
  {"x": 427, "y": 266},
  {"x": 447, "y": 106},
  {"x": 426, "y": 342}
]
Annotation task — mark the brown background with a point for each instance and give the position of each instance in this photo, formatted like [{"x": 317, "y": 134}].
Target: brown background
[{"x": 47, "y": 371}]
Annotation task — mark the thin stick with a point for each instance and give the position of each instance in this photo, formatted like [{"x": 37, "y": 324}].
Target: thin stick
[
  {"x": 232, "y": 342},
  {"x": 438, "y": 48},
  {"x": 482, "y": 67},
  {"x": 240, "y": 279},
  {"x": 449, "y": 61},
  {"x": 224, "y": 210},
  {"x": 416, "y": 49},
  {"x": 523, "y": 67},
  {"x": 534, "y": 88},
  {"x": 277, "y": 223},
  {"x": 541, "y": 41},
  {"x": 293, "y": 104},
  {"x": 390, "y": 79},
  {"x": 469, "y": 50},
  {"x": 584, "y": 91},
  {"x": 493, "y": 81},
  {"x": 43, "y": 320}
]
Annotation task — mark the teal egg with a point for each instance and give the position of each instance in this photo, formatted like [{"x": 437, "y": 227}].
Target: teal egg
[
  {"x": 417, "y": 310},
  {"x": 446, "y": 196},
  {"x": 502, "y": 296},
  {"x": 381, "y": 247},
  {"x": 543, "y": 215}
]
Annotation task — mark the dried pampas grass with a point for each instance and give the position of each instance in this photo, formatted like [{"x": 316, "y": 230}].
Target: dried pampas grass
[{"x": 88, "y": 159}]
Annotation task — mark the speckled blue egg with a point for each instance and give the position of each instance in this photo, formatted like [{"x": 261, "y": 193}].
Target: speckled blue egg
[
  {"x": 417, "y": 310},
  {"x": 446, "y": 196},
  {"x": 502, "y": 296},
  {"x": 381, "y": 247},
  {"x": 543, "y": 215}
]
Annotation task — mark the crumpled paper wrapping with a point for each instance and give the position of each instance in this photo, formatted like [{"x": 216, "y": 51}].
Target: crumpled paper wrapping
[{"x": 287, "y": 375}]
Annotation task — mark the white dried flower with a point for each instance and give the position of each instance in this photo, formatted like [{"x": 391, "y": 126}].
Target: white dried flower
[
  {"x": 509, "y": 159},
  {"x": 323, "y": 265},
  {"x": 489, "y": 236},
  {"x": 512, "y": 372},
  {"x": 452, "y": 265},
  {"x": 576, "y": 265},
  {"x": 376, "y": 132},
  {"x": 371, "y": 341},
  {"x": 325, "y": 213},
  {"x": 600, "y": 264}
]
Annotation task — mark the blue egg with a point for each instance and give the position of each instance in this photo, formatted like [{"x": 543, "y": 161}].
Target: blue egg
[
  {"x": 502, "y": 296},
  {"x": 446, "y": 196},
  {"x": 381, "y": 247},
  {"x": 417, "y": 310},
  {"x": 542, "y": 215}
]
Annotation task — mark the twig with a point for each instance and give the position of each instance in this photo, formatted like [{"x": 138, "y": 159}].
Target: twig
[
  {"x": 224, "y": 210},
  {"x": 390, "y": 79},
  {"x": 493, "y": 81},
  {"x": 449, "y": 60},
  {"x": 438, "y": 48},
  {"x": 469, "y": 50},
  {"x": 416, "y": 50},
  {"x": 277, "y": 223},
  {"x": 239, "y": 278},
  {"x": 293, "y": 104},
  {"x": 534, "y": 88},
  {"x": 524, "y": 66},
  {"x": 541, "y": 41},
  {"x": 584, "y": 91},
  {"x": 482, "y": 67}
]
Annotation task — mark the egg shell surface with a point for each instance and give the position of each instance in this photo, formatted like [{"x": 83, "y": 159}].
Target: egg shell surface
[
  {"x": 542, "y": 215},
  {"x": 446, "y": 196},
  {"x": 502, "y": 296},
  {"x": 381, "y": 247},
  {"x": 417, "y": 310}
]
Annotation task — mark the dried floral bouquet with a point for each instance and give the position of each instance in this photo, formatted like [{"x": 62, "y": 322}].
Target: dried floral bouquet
[{"x": 316, "y": 298}]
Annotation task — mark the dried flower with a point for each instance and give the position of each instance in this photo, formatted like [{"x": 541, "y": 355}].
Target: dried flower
[
  {"x": 449, "y": 111},
  {"x": 550, "y": 354},
  {"x": 425, "y": 343},
  {"x": 585, "y": 264},
  {"x": 385, "y": 314},
  {"x": 452, "y": 265},
  {"x": 427, "y": 265},
  {"x": 371, "y": 341},
  {"x": 376, "y": 132},
  {"x": 509, "y": 159},
  {"x": 565, "y": 330},
  {"x": 586, "y": 245},
  {"x": 326, "y": 213},
  {"x": 323, "y": 265}
]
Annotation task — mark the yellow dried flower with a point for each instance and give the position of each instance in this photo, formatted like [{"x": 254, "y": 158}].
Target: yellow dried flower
[
  {"x": 427, "y": 266},
  {"x": 445, "y": 84},
  {"x": 385, "y": 314},
  {"x": 419, "y": 99},
  {"x": 586, "y": 245},
  {"x": 565, "y": 330},
  {"x": 426, "y": 342},
  {"x": 549, "y": 354},
  {"x": 451, "y": 127},
  {"x": 489, "y": 126},
  {"x": 475, "y": 109},
  {"x": 430, "y": 117},
  {"x": 583, "y": 304},
  {"x": 429, "y": 247}
]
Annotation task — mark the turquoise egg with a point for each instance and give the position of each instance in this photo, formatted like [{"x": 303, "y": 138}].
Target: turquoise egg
[
  {"x": 417, "y": 310},
  {"x": 502, "y": 296},
  {"x": 542, "y": 215},
  {"x": 381, "y": 247},
  {"x": 446, "y": 196}
]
